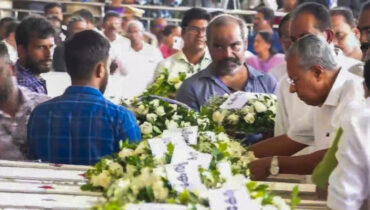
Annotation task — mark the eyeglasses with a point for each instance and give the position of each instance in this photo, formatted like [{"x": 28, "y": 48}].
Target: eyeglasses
[
  {"x": 196, "y": 30},
  {"x": 292, "y": 81}
]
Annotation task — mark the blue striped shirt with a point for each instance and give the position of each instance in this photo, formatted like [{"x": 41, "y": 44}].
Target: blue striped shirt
[
  {"x": 202, "y": 86},
  {"x": 79, "y": 127}
]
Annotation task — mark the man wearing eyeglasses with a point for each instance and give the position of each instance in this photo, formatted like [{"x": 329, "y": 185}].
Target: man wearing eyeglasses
[
  {"x": 194, "y": 56},
  {"x": 364, "y": 27}
]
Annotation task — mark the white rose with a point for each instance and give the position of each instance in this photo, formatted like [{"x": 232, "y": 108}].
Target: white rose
[
  {"x": 233, "y": 119},
  {"x": 151, "y": 117},
  {"x": 116, "y": 169},
  {"x": 217, "y": 117},
  {"x": 249, "y": 118},
  {"x": 141, "y": 148},
  {"x": 247, "y": 109},
  {"x": 176, "y": 116},
  {"x": 260, "y": 107},
  {"x": 173, "y": 79},
  {"x": 222, "y": 137},
  {"x": 170, "y": 124},
  {"x": 146, "y": 128},
  {"x": 154, "y": 102},
  {"x": 142, "y": 110},
  {"x": 125, "y": 152},
  {"x": 160, "y": 192},
  {"x": 103, "y": 179},
  {"x": 273, "y": 109},
  {"x": 160, "y": 111},
  {"x": 178, "y": 85}
]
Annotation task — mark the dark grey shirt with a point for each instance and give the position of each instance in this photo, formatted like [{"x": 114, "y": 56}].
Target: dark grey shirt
[{"x": 199, "y": 88}]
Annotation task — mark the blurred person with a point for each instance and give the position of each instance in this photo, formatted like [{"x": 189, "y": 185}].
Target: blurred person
[
  {"x": 76, "y": 24},
  {"x": 346, "y": 34},
  {"x": 263, "y": 21},
  {"x": 81, "y": 126},
  {"x": 35, "y": 46},
  {"x": 59, "y": 36},
  {"x": 140, "y": 59},
  {"x": 194, "y": 55},
  {"x": 10, "y": 42},
  {"x": 54, "y": 9},
  {"x": 119, "y": 44},
  {"x": 353, "y": 5},
  {"x": 171, "y": 35},
  {"x": 288, "y": 6},
  {"x": 89, "y": 18},
  {"x": 364, "y": 27},
  {"x": 266, "y": 58},
  {"x": 16, "y": 105},
  {"x": 255, "y": 4},
  {"x": 157, "y": 26},
  {"x": 3, "y": 24}
]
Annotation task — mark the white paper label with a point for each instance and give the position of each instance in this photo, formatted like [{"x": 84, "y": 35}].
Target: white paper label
[
  {"x": 155, "y": 206},
  {"x": 188, "y": 154},
  {"x": 184, "y": 176},
  {"x": 158, "y": 147},
  {"x": 236, "y": 100},
  {"x": 231, "y": 199},
  {"x": 188, "y": 134}
]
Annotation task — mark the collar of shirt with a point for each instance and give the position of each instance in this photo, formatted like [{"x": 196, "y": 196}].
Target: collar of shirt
[
  {"x": 335, "y": 91},
  {"x": 252, "y": 75},
  {"x": 27, "y": 72},
  {"x": 181, "y": 56},
  {"x": 75, "y": 89}
]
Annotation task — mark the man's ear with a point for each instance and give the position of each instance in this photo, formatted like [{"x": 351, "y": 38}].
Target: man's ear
[
  {"x": 318, "y": 72},
  {"x": 100, "y": 70},
  {"x": 356, "y": 32},
  {"x": 329, "y": 35}
]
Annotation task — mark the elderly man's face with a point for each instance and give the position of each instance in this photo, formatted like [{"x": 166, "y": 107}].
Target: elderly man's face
[
  {"x": 6, "y": 82},
  {"x": 194, "y": 35},
  {"x": 135, "y": 34},
  {"x": 227, "y": 49},
  {"x": 344, "y": 37},
  {"x": 302, "y": 25},
  {"x": 307, "y": 83},
  {"x": 364, "y": 27}
]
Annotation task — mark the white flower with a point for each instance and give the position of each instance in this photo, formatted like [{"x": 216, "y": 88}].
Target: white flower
[
  {"x": 217, "y": 117},
  {"x": 260, "y": 107},
  {"x": 170, "y": 124},
  {"x": 273, "y": 109},
  {"x": 184, "y": 124},
  {"x": 103, "y": 179},
  {"x": 160, "y": 192},
  {"x": 203, "y": 122},
  {"x": 142, "y": 110},
  {"x": 173, "y": 106},
  {"x": 130, "y": 169},
  {"x": 223, "y": 137},
  {"x": 154, "y": 102},
  {"x": 160, "y": 111},
  {"x": 249, "y": 118},
  {"x": 247, "y": 109},
  {"x": 176, "y": 116},
  {"x": 125, "y": 152},
  {"x": 146, "y": 128},
  {"x": 233, "y": 119},
  {"x": 116, "y": 169},
  {"x": 161, "y": 77},
  {"x": 160, "y": 171},
  {"x": 173, "y": 79},
  {"x": 151, "y": 117},
  {"x": 178, "y": 85},
  {"x": 141, "y": 148}
]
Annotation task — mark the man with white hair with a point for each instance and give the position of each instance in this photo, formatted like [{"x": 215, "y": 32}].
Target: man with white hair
[
  {"x": 319, "y": 81},
  {"x": 140, "y": 58}
]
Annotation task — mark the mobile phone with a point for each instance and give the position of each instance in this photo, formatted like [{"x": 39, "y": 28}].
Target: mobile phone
[{"x": 177, "y": 43}]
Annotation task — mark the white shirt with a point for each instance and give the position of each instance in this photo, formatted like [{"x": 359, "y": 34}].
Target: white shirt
[
  {"x": 318, "y": 126},
  {"x": 349, "y": 184},
  {"x": 290, "y": 108},
  {"x": 117, "y": 53},
  {"x": 178, "y": 62},
  {"x": 279, "y": 71},
  {"x": 140, "y": 66},
  {"x": 13, "y": 54}
]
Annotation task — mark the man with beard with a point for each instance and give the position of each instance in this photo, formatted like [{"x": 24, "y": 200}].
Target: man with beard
[
  {"x": 81, "y": 126},
  {"x": 226, "y": 38},
  {"x": 364, "y": 27},
  {"x": 35, "y": 46},
  {"x": 16, "y": 104}
]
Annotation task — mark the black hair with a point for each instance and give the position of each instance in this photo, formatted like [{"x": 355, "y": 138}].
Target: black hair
[
  {"x": 33, "y": 26},
  {"x": 83, "y": 51},
  {"x": 322, "y": 2},
  {"x": 11, "y": 28},
  {"x": 367, "y": 74},
  {"x": 346, "y": 13},
  {"x": 365, "y": 6},
  {"x": 85, "y": 14},
  {"x": 168, "y": 29},
  {"x": 268, "y": 14},
  {"x": 194, "y": 14},
  {"x": 285, "y": 19},
  {"x": 4, "y": 54},
  {"x": 6, "y": 20},
  {"x": 52, "y": 5},
  {"x": 110, "y": 14},
  {"x": 269, "y": 38},
  {"x": 320, "y": 12}
]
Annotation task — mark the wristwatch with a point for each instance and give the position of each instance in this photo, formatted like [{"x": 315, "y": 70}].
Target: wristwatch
[{"x": 274, "y": 167}]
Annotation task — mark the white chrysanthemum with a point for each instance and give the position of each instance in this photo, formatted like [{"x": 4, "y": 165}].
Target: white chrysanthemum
[
  {"x": 170, "y": 124},
  {"x": 125, "y": 152},
  {"x": 249, "y": 118},
  {"x": 146, "y": 128},
  {"x": 160, "y": 111},
  {"x": 116, "y": 169},
  {"x": 160, "y": 192},
  {"x": 217, "y": 117},
  {"x": 154, "y": 102},
  {"x": 260, "y": 107},
  {"x": 233, "y": 119},
  {"x": 151, "y": 117}
]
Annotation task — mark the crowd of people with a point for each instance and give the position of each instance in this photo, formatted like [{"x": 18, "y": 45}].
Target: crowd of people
[{"x": 316, "y": 62}]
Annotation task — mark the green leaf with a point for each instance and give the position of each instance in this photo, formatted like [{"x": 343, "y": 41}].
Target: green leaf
[
  {"x": 295, "y": 200},
  {"x": 184, "y": 197}
]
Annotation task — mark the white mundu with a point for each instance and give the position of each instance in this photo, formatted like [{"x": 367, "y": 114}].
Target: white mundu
[
  {"x": 318, "y": 126},
  {"x": 349, "y": 184}
]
